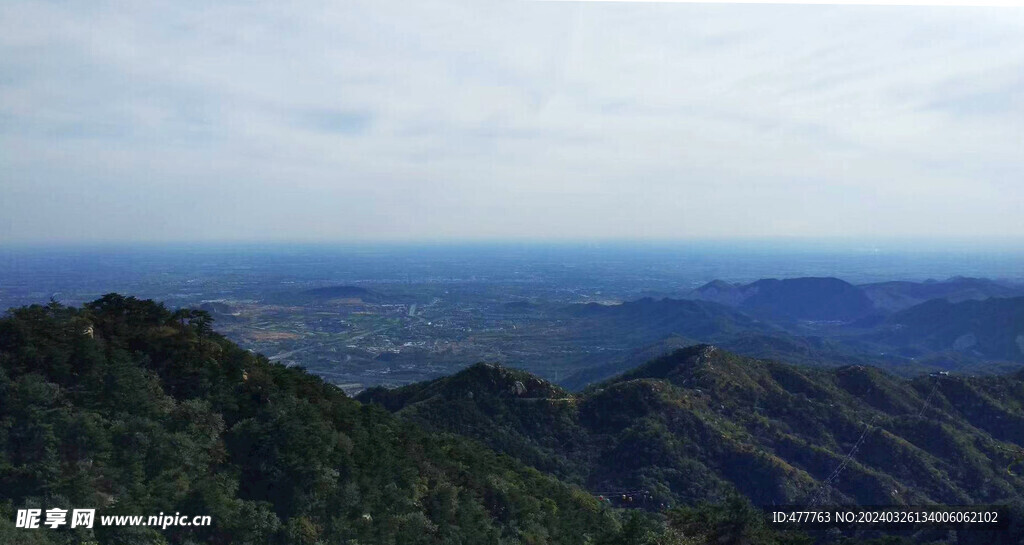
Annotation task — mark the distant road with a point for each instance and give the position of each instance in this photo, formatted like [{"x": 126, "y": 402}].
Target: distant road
[{"x": 283, "y": 355}]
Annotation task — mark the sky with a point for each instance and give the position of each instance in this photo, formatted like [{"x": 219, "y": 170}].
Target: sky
[{"x": 495, "y": 120}]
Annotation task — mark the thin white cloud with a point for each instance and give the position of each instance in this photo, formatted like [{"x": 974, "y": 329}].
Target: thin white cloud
[{"x": 366, "y": 120}]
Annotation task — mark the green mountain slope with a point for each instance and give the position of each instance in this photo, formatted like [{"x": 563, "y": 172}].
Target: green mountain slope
[
  {"x": 623, "y": 363},
  {"x": 809, "y": 351},
  {"x": 701, "y": 423},
  {"x": 129, "y": 408}
]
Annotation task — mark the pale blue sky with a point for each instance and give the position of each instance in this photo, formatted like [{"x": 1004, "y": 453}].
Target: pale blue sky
[{"x": 477, "y": 120}]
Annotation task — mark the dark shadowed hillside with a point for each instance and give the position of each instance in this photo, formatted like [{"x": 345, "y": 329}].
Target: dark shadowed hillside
[
  {"x": 598, "y": 373},
  {"x": 991, "y": 329},
  {"x": 820, "y": 299},
  {"x": 702, "y": 422},
  {"x": 650, "y": 320},
  {"x": 807, "y": 299}
]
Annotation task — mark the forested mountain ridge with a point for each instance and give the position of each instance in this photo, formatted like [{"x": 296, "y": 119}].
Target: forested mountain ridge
[
  {"x": 129, "y": 408},
  {"x": 702, "y": 422}
]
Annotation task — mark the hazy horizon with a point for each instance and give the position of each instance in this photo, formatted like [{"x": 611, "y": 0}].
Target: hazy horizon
[
  {"x": 834, "y": 243},
  {"x": 694, "y": 262}
]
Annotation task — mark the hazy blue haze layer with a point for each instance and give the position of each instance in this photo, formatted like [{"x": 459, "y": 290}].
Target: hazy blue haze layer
[{"x": 189, "y": 272}]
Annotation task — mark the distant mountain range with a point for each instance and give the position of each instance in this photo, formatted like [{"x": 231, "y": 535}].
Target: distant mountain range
[
  {"x": 893, "y": 296},
  {"x": 991, "y": 329},
  {"x": 829, "y": 299},
  {"x": 907, "y": 327},
  {"x": 818, "y": 322},
  {"x": 832, "y": 299}
]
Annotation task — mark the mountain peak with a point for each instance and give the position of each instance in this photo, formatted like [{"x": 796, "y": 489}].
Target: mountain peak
[
  {"x": 478, "y": 381},
  {"x": 807, "y": 298},
  {"x": 717, "y": 287},
  {"x": 504, "y": 381},
  {"x": 683, "y": 360}
]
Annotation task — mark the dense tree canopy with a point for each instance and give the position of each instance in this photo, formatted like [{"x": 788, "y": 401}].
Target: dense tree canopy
[{"x": 130, "y": 408}]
